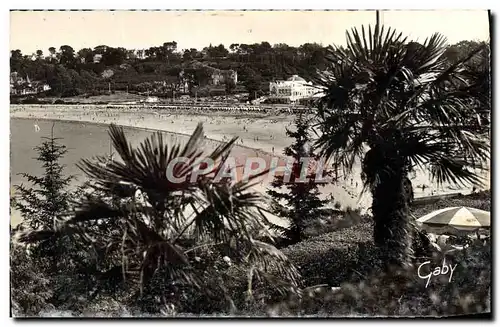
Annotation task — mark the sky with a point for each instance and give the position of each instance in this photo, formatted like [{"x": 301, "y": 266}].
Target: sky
[{"x": 33, "y": 30}]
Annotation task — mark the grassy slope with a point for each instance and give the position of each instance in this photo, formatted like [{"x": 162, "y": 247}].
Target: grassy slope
[
  {"x": 332, "y": 258},
  {"x": 341, "y": 258}
]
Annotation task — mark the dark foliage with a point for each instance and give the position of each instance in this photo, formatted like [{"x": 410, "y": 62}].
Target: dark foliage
[
  {"x": 334, "y": 258},
  {"x": 30, "y": 289}
]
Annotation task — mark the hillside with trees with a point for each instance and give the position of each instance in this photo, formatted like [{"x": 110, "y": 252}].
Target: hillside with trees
[{"x": 168, "y": 71}]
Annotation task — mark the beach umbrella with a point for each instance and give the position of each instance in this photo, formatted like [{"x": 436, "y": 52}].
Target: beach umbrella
[{"x": 455, "y": 220}]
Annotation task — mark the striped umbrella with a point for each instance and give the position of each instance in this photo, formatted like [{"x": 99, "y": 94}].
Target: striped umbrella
[{"x": 455, "y": 219}]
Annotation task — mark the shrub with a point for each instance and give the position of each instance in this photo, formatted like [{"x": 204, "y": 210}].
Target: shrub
[
  {"x": 334, "y": 257},
  {"x": 30, "y": 287}
]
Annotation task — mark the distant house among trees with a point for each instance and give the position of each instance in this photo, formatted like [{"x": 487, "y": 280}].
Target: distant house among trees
[
  {"x": 207, "y": 75},
  {"x": 140, "y": 54},
  {"x": 97, "y": 58},
  {"x": 224, "y": 76},
  {"x": 21, "y": 86}
]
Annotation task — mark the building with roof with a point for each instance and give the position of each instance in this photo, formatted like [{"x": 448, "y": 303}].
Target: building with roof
[
  {"x": 293, "y": 89},
  {"x": 21, "y": 86},
  {"x": 97, "y": 58}
]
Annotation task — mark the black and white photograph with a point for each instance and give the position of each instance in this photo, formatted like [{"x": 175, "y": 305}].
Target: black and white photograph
[{"x": 250, "y": 163}]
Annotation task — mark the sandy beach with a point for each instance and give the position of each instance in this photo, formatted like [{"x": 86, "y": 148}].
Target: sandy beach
[{"x": 263, "y": 131}]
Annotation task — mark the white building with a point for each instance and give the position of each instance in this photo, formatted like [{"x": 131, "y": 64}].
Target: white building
[
  {"x": 152, "y": 99},
  {"x": 294, "y": 88},
  {"x": 140, "y": 53},
  {"x": 97, "y": 58}
]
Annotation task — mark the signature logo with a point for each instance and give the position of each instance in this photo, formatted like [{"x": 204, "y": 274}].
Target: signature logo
[{"x": 444, "y": 269}]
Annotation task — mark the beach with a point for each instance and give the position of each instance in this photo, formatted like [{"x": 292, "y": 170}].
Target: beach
[{"x": 263, "y": 132}]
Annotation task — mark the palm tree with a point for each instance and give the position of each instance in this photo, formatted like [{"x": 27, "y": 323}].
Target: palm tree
[
  {"x": 396, "y": 106},
  {"x": 149, "y": 226},
  {"x": 478, "y": 69}
]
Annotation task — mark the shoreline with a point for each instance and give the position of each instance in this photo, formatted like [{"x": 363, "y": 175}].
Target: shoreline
[
  {"x": 254, "y": 134},
  {"x": 146, "y": 119},
  {"x": 144, "y": 129},
  {"x": 261, "y": 133}
]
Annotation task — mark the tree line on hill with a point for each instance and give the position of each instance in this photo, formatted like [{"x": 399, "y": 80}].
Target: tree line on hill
[{"x": 96, "y": 71}]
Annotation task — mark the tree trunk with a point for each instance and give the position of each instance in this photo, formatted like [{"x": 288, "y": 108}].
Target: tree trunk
[
  {"x": 392, "y": 229},
  {"x": 295, "y": 234},
  {"x": 408, "y": 186}
]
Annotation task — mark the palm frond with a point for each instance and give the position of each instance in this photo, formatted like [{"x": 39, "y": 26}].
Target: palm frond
[
  {"x": 381, "y": 89},
  {"x": 149, "y": 237}
]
